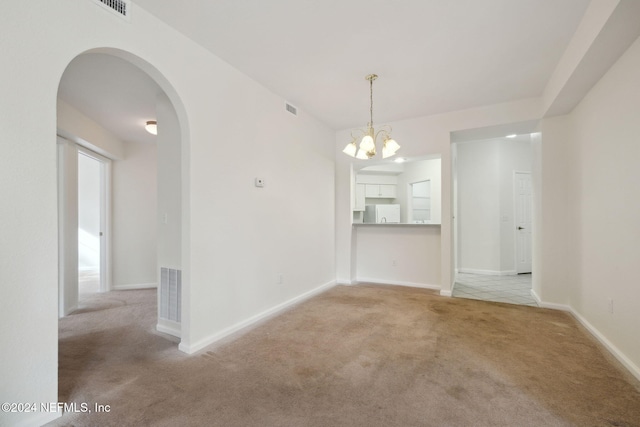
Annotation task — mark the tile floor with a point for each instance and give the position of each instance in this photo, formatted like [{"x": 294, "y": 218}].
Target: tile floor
[{"x": 508, "y": 289}]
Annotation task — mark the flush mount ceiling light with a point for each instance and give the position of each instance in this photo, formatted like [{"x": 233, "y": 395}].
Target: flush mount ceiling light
[
  {"x": 367, "y": 148},
  {"x": 151, "y": 127}
]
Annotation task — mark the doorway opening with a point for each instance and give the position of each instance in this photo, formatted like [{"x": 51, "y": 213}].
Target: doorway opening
[
  {"x": 493, "y": 206},
  {"x": 105, "y": 98},
  {"x": 93, "y": 221}
]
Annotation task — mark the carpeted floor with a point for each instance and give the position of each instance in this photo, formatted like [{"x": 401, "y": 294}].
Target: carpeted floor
[{"x": 352, "y": 356}]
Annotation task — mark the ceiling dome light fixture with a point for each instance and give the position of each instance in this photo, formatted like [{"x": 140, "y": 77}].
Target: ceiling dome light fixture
[
  {"x": 151, "y": 127},
  {"x": 367, "y": 148}
]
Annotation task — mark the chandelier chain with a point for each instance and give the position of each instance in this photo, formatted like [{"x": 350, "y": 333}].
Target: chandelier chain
[
  {"x": 367, "y": 147},
  {"x": 371, "y": 103}
]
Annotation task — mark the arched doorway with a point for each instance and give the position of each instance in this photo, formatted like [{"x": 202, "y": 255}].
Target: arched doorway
[{"x": 105, "y": 98}]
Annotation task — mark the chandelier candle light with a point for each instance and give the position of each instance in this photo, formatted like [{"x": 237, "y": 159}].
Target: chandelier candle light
[{"x": 367, "y": 147}]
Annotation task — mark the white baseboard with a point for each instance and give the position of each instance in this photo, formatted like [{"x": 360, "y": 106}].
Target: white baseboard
[
  {"x": 622, "y": 358},
  {"x": 488, "y": 272},
  {"x": 135, "y": 286},
  {"x": 615, "y": 351},
  {"x": 397, "y": 283},
  {"x": 199, "y": 345},
  {"x": 345, "y": 282},
  {"x": 169, "y": 327},
  {"x": 446, "y": 293}
]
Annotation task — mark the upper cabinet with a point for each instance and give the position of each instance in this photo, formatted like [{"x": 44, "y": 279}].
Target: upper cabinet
[
  {"x": 414, "y": 186},
  {"x": 380, "y": 191}
]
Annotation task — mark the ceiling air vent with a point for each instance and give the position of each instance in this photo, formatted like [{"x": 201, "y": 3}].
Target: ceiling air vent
[
  {"x": 290, "y": 108},
  {"x": 120, "y": 7}
]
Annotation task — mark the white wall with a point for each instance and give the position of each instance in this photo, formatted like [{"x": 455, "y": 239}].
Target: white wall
[
  {"x": 553, "y": 219},
  {"x": 135, "y": 204},
  {"x": 485, "y": 202},
  {"x": 600, "y": 138},
  {"x": 169, "y": 183},
  {"x": 406, "y": 255},
  {"x": 479, "y": 206},
  {"x": 75, "y": 126},
  {"x": 236, "y": 238}
]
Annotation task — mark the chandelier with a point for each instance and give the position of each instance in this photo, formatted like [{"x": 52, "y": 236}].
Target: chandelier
[{"x": 367, "y": 148}]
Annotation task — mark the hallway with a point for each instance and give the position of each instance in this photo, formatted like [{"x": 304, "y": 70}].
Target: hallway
[{"x": 509, "y": 289}]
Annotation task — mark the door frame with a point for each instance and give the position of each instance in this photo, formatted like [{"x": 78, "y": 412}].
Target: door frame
[{"x": 105, "y": 216}]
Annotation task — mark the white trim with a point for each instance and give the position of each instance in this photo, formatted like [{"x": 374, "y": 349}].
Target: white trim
[
  {"x": 550, "y": 305},
  {"x": 397, "y": 283},
  {"x": 488, "y": 272},
  {"x": 169, "y": 327},
  {"x": 615, "y": 351},
  {"x": 446, "y": 293},
  {"x": 134, "y": 286},
  {"x": 345, "y": 282},
  {"x": 192, "y": 348}
]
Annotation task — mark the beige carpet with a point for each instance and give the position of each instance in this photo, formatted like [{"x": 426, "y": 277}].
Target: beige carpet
[{"x": 353, "y": 356}]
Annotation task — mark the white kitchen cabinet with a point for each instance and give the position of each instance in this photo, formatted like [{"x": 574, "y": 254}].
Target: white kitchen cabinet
[{"x": 380, "y": 191}]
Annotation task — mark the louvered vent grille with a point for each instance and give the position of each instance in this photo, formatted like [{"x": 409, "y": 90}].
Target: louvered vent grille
[
  {"x": 290, "y": 108},
  {"x": 170, "y": 294},
  {"x": 121, "y": 7}
]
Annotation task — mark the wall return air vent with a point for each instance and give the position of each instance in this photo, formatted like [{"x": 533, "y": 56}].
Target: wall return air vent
[
  {"x": 290, "y": 108},
  {"x": 120, "y": 7}
]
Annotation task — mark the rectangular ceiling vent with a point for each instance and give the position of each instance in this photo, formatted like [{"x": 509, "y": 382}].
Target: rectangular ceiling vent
[
  {"x": 119, "y": 7},
  {"x": 290, "y": 108}
]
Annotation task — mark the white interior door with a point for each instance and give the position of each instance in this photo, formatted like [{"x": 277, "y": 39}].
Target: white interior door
[
  {"x": 523, "y": 222},
  {"x": 93, "y": 214}
]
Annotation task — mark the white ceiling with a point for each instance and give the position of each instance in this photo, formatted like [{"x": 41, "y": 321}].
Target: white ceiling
[{"x": 432, "y": 56}]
